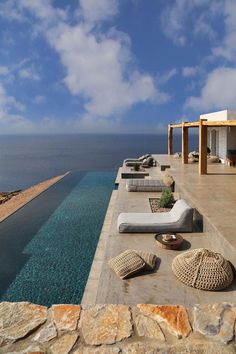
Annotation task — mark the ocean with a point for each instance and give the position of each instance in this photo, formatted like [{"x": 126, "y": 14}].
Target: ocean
[{"x": 27, "y": 160}]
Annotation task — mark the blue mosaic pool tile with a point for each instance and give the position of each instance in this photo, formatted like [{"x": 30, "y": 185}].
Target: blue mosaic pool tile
[{"x": 61, "y": 252}]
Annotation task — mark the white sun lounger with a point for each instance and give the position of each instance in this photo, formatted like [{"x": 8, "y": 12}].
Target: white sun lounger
[{"x": 178, "y": 219}]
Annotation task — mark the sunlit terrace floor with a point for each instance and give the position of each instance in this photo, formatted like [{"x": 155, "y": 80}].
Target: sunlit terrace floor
[{"x": 214, "y": 197}]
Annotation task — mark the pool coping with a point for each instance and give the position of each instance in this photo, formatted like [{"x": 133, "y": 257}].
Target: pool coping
[
  {"x": 45, "y": 185},
  {"x": 90, "y": 291}
]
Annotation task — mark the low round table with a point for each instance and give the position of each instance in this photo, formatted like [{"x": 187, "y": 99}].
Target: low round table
[{"x": 169, "y": 245}]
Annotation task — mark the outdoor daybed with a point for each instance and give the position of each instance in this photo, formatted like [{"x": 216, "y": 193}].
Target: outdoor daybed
[
  {"x": 150, "y": 185},
  {"x": 178, "y": 219}
]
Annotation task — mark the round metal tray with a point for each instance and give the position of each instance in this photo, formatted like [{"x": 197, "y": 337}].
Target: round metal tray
[{"x": 170, "y": 245}]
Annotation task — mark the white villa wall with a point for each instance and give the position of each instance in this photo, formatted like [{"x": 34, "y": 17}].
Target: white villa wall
[
  {"x": 226, "y": 139},
  {"x": 221, "y": 115},
  {"x": 221, "y": 142},
  {"x": 215, "y": 116}
]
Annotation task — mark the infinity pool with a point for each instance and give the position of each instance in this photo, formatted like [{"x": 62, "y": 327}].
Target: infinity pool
[{"x": 50, "y": 243}]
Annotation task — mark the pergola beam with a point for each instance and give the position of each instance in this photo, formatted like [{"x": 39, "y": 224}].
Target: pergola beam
[
  {"x": 221, "y": 123},
  {"x": 202, "y": 124},
  {"x": 176, "y": 125},
  {"x": 170, "y": 140},
  {"x": 184, "y": 144},
  {"x": 202, "y": 167}
]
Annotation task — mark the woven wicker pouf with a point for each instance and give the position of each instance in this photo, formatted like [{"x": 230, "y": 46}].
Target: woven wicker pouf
[{"x": 203, "y": 269}]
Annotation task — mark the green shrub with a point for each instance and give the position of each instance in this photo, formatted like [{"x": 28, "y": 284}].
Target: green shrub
[
  {"x": 166, "y": 199},
  {"x": 136, "y": 167}
]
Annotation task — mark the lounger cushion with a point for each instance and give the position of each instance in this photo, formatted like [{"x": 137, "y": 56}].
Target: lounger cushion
[
  {"x": 178, "y": 219},
  {"x": 127, "y": 264},
  {"x": 141, "y": 158},
  {"x": 145, "y": 185},
  {"x": 134, "y": 162},
  {"x": 149, "y": 259},
  {"x": 167, "y": 179},
  {"x": 137, "y": 160},
  {"x": 148, "y": 161}
]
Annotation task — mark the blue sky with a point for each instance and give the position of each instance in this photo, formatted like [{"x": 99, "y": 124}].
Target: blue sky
[{"x": 112, "y": 66}]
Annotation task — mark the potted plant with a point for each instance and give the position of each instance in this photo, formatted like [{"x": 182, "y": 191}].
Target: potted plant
[{"x": 167, "y": 199}]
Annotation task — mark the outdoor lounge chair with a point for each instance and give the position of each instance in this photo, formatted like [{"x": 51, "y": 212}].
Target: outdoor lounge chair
[
  {"x": 178, "y": 219},
  {"x": 149, "y": 185},
  {"x": 137, "y": 159},
  {"x": 147, "y": 162}
]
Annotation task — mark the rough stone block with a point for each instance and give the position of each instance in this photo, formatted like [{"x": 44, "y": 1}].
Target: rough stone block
[
  {"x": 216, "y": 321},
  {"x": 46, "y": 334},
  {"x": 64, "y": 344},
  {"x": 99, "y": 350},
  {"x": 28, "y": 350},
  {"x": 105, "y": 324},
  {"x": 65, "y": 317},
  {"x": 175, "y": 317},
  {"x": 140, "y": 348},
  {"x": 147, "y": 327},
  {"x": 19, "y": 319}
]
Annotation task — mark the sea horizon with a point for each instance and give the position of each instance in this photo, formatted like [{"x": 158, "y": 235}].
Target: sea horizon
[{"x": 28, "y": 160}]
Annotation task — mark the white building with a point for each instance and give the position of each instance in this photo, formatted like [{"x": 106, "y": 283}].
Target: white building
[{"x": 221, "y": 140}]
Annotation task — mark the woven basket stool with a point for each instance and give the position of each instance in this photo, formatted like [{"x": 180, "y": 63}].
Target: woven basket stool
[{"x": 203, "y": 269}]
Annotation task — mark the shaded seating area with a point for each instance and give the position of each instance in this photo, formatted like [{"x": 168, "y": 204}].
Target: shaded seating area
[
  {"x": 178, "y": 219},
  {"x": 231, "y": 158}
]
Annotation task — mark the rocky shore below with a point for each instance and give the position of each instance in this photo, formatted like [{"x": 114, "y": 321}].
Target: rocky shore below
[
  {"x": 5, "y": 196},
  {"x": 12, "y": 201}
]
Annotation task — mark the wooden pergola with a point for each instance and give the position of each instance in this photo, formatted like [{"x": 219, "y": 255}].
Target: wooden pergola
[{"x": 202, "y": 126}]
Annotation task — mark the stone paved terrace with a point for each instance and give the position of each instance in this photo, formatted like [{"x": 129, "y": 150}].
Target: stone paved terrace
[
  {"x": 26, "y": 328},
  {"x": 213, "y": 195},
  {"x": 179, "y": 320}
]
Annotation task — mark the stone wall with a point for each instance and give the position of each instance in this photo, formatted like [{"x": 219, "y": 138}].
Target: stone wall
[{"x": 108, "y": 329}]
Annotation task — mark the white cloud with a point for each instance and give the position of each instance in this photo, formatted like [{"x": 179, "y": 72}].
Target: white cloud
[
  {"x": 94, "y": 10},
  {"x": 19, "y": 10},
  {"x": 172, "y": 23},
  {"x": 4, "y": 70},
  {"x": 164, "y": 78},
  {"x": 179, "y": 19},
  {"x": 190, "y": 71},
  {"x": 227, "y": 48},
  {"x": 10, "y": 118},
  {"x": 10, "y": 11},
  {"x": 96, "y": 69},
  {"x": 218, "y": 92},
  {"x": 7, "y": 101},
  {"x": 28, "y": 74},
  {"x": 99, "y": 65},
  {"x": 203, "y": 27},
  {"x": 39, "y": 99},
  {"x": 43, "y": 10}
]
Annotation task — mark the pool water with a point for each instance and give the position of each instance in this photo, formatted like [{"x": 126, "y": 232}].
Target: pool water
[{"x": 59, "y": 255}]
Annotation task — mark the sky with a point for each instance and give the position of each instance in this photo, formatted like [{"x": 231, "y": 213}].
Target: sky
[{"x": 110, "y": 66}]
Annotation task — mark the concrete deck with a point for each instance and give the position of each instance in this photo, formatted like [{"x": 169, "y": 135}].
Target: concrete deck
[{"x": 214, "y": 197}]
